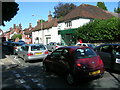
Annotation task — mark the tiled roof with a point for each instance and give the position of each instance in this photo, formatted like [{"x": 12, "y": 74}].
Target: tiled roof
[
  {"x": 28, "y": 30},
  {"x": 87, "y": 11},
  {"x": 46, "y": 25}
]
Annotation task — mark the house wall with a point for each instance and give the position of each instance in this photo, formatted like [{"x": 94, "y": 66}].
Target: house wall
[
  {"x": 54, "y": 35},
  {"x": 50, "y": 35},
  {"x": 68, "y": 39},
  {"x": 79, "y": 22},
  {"x": 75, "y": 23},
  {"x": 35, "y": 35}
]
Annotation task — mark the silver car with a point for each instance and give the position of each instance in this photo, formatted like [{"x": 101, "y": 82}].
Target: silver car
[
  {"x": 53, "y": 45},
  {"x": 32, "y": 52}
]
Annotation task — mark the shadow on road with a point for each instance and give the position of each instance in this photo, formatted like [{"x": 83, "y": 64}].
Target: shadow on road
[{"x": 48, "y": 80}]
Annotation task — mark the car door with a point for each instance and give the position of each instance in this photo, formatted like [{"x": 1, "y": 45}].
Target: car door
[
  {"x": 55, "y": 57},
  {"x": 102, "y": 51},
  {"x": 116, "y": 64},
  {"x": 64, "y": 61}
]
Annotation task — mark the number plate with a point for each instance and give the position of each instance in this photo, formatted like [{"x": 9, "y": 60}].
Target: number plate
[
  {"x": 93, "y": 73},
  {"x": 38, "y": 53},
  {"x": 117, "y": 60}
]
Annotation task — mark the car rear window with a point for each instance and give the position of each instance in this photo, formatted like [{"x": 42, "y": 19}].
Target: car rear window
[
  {"x": 37, "y": 47},
  {"x": 84, "y": 53}
]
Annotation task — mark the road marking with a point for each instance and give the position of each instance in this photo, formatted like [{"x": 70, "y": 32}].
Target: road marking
[
  {"x": 17, "y": 75},
  {"x": 21, "y": 81},
  {"x": 41, "y": 86},
  {"x": 23, "y": 71},
  {"x": 34, "y": 80},
  {"x": 14, "y": 72},
  {"x": 28, "y": 75},
  {"x": 27, "y": 87}
]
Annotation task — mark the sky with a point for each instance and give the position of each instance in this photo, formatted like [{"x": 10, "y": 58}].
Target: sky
[{"x": 30, "y": 12}]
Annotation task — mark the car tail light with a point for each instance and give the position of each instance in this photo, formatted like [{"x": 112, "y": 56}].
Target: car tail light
[
  {"x": 30, "y": 54},
  {"x": 100, "y": 61},
  {"x": 56, "y": 46},
  {"x": 79, "y": 65},
  {"x": 46, "y": 52},
  {"x": 15, "y": 47}
]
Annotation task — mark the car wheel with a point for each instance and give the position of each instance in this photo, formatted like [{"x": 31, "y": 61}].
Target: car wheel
[
  {"x": 45, "y": 68},
  {"x": 52, "y": 49},
  {"x": 70, "y": 79}
]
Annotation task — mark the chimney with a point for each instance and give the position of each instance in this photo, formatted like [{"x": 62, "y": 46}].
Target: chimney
[
  {"x": 38, "y": 22},
  {"x": 10, "y": 29},
  {"x": 30, "y": 25},
  {"x": 20, "y": 26},
  {"x": 49, "y": 16},
  {"x": 14, "y": 26}
]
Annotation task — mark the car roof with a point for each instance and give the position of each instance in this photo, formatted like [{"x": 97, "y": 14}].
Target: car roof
[
  {"x": 74, "y": 47},
  {"x": 32, "y": 44},
  {"x": 108, "y": 44}
]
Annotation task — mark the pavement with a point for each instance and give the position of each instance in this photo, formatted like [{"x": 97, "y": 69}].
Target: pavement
[{"x": 7, "y": 62}]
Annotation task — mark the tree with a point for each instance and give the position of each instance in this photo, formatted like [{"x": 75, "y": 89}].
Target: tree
[
  {"x": 100, "y": 30},
  {"x": 63, "y": 9},
  {"x": 9, "y": 10},
  {"x": 16, "y": 36},
  {"x": 102, "y": 5},
  {"x": 117, "y": 10}
]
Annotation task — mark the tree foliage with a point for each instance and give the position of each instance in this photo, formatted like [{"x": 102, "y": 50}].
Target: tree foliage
[
  {"x": 16, "y": 36},
  {"x": 63, "y": 9},
  {"x": 117, "y": 10},
  {"x": 100, "y": 30},
  {"x": 102, "y": 5},
  {"x": 9, "y": 10}
]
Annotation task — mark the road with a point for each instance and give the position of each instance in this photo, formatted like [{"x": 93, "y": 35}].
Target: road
[{"x": 30, "y": 75}]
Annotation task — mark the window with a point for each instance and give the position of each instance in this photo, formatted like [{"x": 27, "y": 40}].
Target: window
[
  {"x": 37, "y": 47},
  {"x": 57, "y": 53},
  {"x": 65, "y": 53},
  {"x": 84, "y": 53},
  {"x": 25, "y": 48},
  {"x": 68, "y": 24}
]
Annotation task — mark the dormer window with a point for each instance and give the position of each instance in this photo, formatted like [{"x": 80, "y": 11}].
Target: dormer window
[{"x": 68, "y": 24}]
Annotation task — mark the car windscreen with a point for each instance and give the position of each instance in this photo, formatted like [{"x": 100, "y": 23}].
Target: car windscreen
[
  {"x": 37, "y": 47},
  {"x": 84, "y": 53}
]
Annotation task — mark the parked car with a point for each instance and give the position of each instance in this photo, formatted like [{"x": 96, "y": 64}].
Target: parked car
[
  {"x": 53, "y": 45},
  {"x": 75, "y": 63},
  {"x": 21, "y": 42},
  {"x": 32, "y": 52},
  {"x": 15, "y": 46},
  {"x": 5, "y": 43},
  {"x": 85, "y": 44},
  {"x": 110, "y": 54}
]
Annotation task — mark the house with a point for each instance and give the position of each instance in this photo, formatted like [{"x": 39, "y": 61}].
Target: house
[
  {"x": 46, "y": 32},
  {"x": 15, "y": 30},
  {"x": 78, "y": 17},
  {"x": 27, "y": 34}
]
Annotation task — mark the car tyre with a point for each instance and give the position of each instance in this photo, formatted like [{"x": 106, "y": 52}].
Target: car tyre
[
  {"x": 52, "y": 49},
  {"x": 70, "y": 79}
]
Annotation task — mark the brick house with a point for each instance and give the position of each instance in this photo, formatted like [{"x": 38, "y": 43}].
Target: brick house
[
  {"x": 15, "y": 30},
  {"x": 27, "y": 34}
]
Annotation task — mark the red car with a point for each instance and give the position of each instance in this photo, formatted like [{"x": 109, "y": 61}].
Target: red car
[{"x": 75, "y": 62}]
